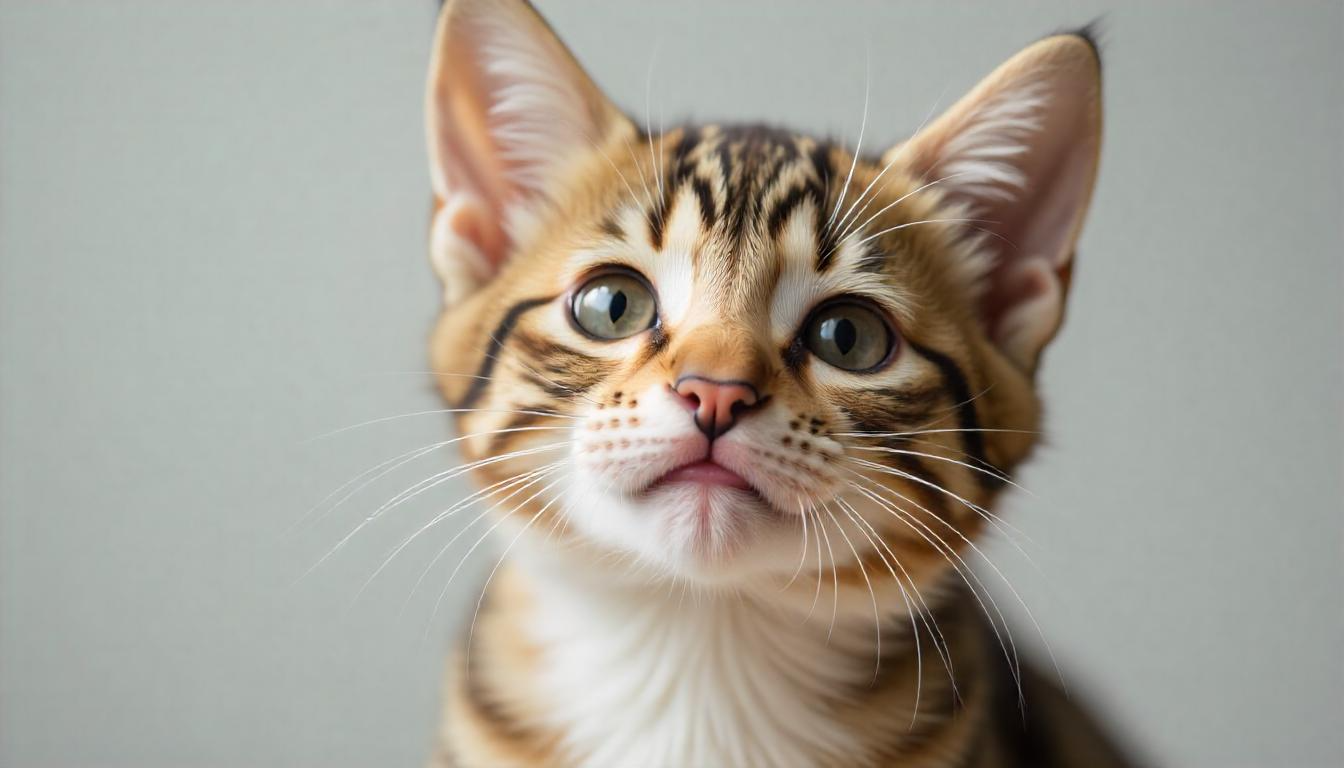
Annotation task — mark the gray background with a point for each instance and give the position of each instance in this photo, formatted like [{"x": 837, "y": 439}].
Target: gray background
[{"x": 212, "y": 223}]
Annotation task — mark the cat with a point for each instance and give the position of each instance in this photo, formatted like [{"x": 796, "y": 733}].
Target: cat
[{"x": 740, "y": 403}]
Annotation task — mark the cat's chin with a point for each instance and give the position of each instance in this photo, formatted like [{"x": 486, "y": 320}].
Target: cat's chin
[
  {"x": 701, "y": 527},
  {"x": 713, "y": 532}
]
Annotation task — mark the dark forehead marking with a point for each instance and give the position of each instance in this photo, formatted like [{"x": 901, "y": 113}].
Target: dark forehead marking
[
  {"x": 611, "y": 226},
  {"x": 682, "y": 165},
  {"x": 790, "y": 202},
  {"x": 752, "y": 156},
  {"x": 758, "y": 157},
  {"x": 681, "y": 169},
  {"x": 708, "y": 209},
  {"x": 820, "y": 158},
  {"x": 745, "y": 179}
]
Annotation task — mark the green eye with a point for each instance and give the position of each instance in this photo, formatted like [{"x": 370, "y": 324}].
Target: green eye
[
  {"x": 849, "y": 336},
  {"x": 614, "y": 306}
]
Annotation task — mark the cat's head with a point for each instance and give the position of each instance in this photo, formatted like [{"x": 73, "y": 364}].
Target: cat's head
[{"x": 730, "y": 352}]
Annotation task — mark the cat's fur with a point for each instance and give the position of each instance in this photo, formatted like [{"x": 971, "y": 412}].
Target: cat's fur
[{"x": 826, "y": 616}]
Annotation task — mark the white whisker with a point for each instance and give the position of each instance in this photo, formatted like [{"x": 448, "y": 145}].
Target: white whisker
[
  {"x": 1004, "y": 527},
  {"x": 519, "y": 483},
  {"x": 444, "y": 592},
  {"x": 999, "y": 476},
  {"x": 910, "y": 610},
  {"x": 382, "y": 469},
  {"x": 411, "y": 414},
  {"x": 858, "y": 148},
  {"x": 872, "y": 594},
  {"x": 471, "y": 632},
  {"x": 421, "y": 487},
  {"x": 948, "y": 551}
]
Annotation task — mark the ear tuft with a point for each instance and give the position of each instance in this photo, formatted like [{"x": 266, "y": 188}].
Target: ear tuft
[{"x": 979, "y": 156}]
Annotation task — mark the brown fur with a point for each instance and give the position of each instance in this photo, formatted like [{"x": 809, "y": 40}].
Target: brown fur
[{"x": 747, "y": 189}]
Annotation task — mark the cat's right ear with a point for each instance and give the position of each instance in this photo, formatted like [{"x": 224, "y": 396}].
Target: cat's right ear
[{"x": 509, "y": 111}]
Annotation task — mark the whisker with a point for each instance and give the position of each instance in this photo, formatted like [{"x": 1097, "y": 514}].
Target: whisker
[
  {"x": 858, "y": 148},
  {"x": 816, "y": 522},
  {"x": 519, "y": 482},
  {"x": 948, "y": 552},
  {"x": 1007, "y": 646},
  {"x": 432, "y": 411},
  {"x": 883, "y": 172},
  {"x": 441, "y": 477},
  {"x": 923, "y": 610},
  {"x": 927, "y": 117},
  {"x": 471, "y": 632},
  {"x": 396, "y": 462},
  {"x": 905, "y": 598},
  {"x": 517, "y": 360},
  {"x": 951, "y": 449},
  {"x": 932, "y": 432},
  {"x": 860, "y": 227},
  {"x": 1000, "y": 476},
  {"x": 850, "y": 211},
  {"x": 802, "y": 551},
  {"x": 634, "y": 198},
  {"x": 648, "y": 132},
  {"x": 1004, "y": 527},
  {"x": 908, "y": 224},
  {"x": 421, "y": 487},
  {"x": 835, "y": 577},
  {"x": 478, "y": 543},
  {"x": 872, "y": 594},
  {"x": 643, "y": 180}
]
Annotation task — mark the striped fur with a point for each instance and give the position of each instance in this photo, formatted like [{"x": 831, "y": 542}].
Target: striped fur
[{"x": 824, "y": 617}]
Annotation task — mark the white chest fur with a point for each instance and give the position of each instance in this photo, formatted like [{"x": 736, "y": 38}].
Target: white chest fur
[{"x": 661, "y": 678}]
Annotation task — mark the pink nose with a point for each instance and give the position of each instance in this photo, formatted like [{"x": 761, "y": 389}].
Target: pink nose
[{"x": 716, "y": 403}]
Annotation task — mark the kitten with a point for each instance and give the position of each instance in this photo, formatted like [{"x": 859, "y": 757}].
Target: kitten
[{"x": 741, "y": 402}]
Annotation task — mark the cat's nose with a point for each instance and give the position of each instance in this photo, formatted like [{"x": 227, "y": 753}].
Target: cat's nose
[{"x": 717, "y": 404}]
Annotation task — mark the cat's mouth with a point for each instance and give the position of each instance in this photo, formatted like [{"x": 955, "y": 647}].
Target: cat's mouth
[
  {"x": 708, "y": 509},
  {"x": 705, "y": 472},
  {"x": 707, "y": 475}
]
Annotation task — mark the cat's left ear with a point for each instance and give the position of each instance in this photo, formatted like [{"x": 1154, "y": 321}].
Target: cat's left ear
[
  {"x": 509, "y": 112},
  {"x": 1020, "y": 152}
]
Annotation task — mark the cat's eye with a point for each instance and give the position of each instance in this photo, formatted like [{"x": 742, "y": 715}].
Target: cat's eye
[
  {"x": 849, "y": 335},
  {"x": 614, "y": 305}
]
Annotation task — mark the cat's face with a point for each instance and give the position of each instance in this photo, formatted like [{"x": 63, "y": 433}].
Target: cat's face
[{"x": 732, "y": 353}]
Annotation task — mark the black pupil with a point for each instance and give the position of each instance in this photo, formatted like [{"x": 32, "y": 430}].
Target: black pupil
[
  {"x": 845, "y": 335},
  {"x": 617, "y": 306}
]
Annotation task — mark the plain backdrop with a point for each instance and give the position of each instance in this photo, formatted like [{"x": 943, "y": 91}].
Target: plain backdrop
[{"x": 212, "y": 228}]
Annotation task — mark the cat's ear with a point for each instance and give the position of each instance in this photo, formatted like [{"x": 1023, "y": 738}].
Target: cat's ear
[
  {"x": 1020, "y": 152},
  {"x": 509, "y": 111}
]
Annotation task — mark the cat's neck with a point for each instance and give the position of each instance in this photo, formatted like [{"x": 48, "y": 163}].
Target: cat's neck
[{"x": 675, "y": 674}]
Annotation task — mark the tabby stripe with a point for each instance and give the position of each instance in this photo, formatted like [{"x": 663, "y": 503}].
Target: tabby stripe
[
  {"x": 780, "y": 215},
  {"x": 492, "y": 715},
  {"x": 611, "y": 226},
  {"x": 967, "y": 417},
  {"x": 690, "y": 139},
  {"x": 497, "y": 339},
  {"x": 708, "y": 209},
  {"x": 821, "y": 166},
  {"x": 657, "y": 219}
]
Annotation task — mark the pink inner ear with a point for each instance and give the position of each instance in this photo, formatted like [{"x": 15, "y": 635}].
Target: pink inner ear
[
  {"x": 476, "y": 223},
  {"x": 1033, "y": 230},
  {"x": 509, "y": 109},
  {"x": 473, "y": 185}
]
